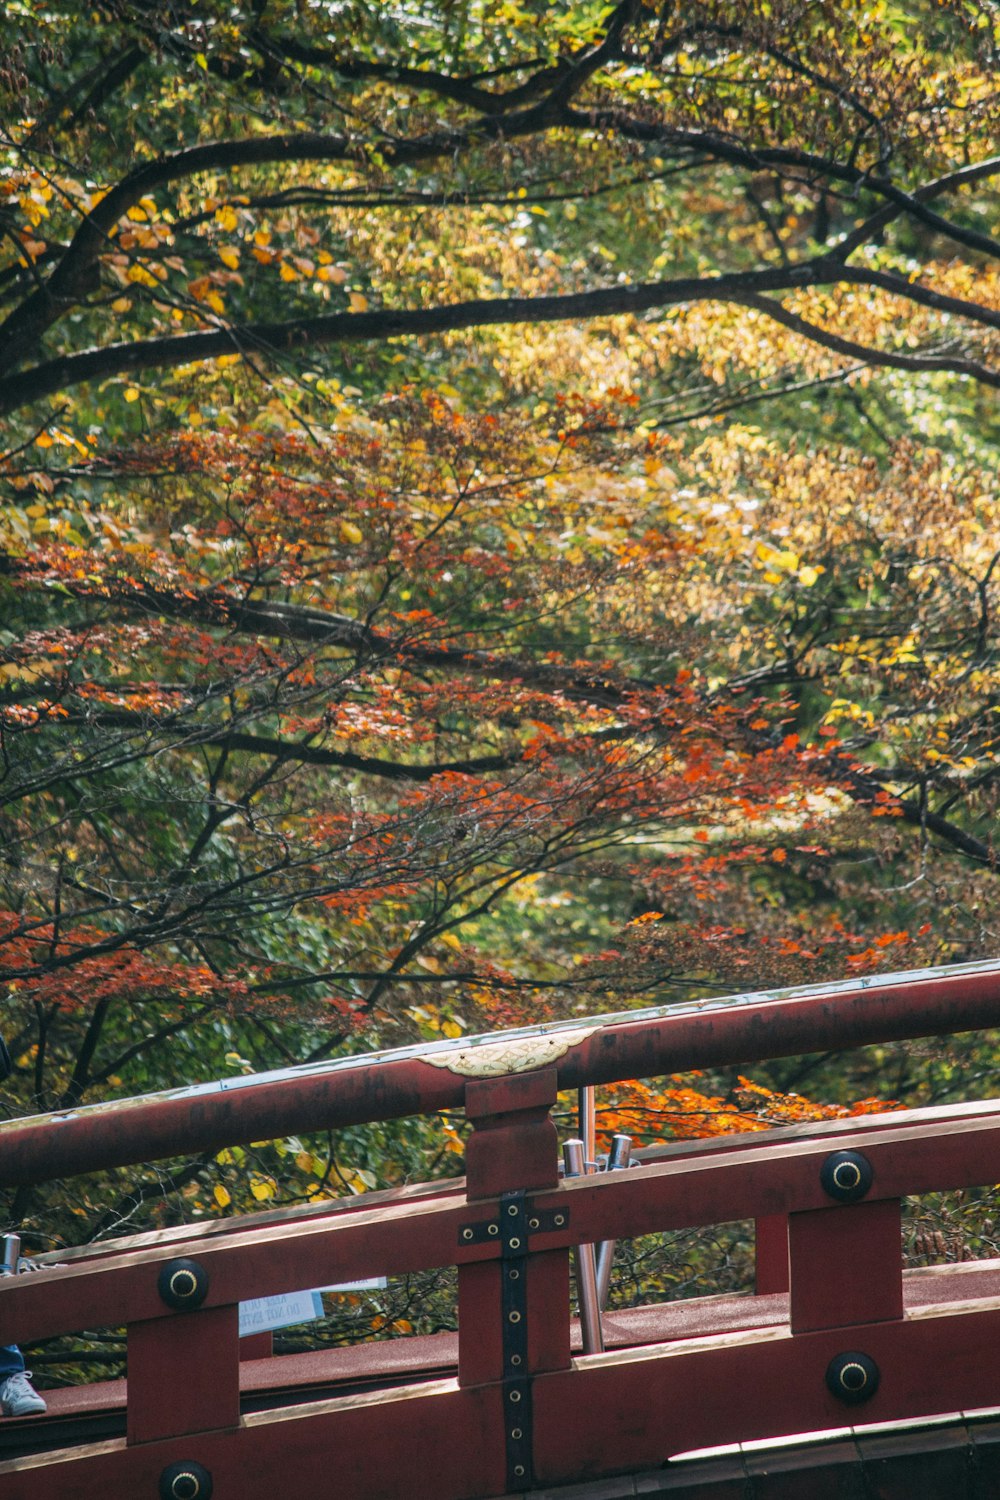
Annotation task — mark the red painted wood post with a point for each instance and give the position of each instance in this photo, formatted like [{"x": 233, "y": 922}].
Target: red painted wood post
[
  {"x": 183, "y": 1374},
  {"x": 513, "y": 1149},
  {"x": 257, "y": 1346},
  {"x": 513, "y": 1145},
  {"x": 845, "y": 1265},
  {"x": 771, "y": 1254}
]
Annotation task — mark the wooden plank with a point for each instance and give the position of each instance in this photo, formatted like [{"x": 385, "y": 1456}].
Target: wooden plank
[
  {"x": 191, "y": 1235},
  {"x": 183, "y": 1374},
  {"x": 771, "y": 1254},
  {"x": 259, "y": 1263},
  {"x": 845, "y": 1265},
  {"x": 431, "y": 1442},
  {"x": 636, "y": 1408}
]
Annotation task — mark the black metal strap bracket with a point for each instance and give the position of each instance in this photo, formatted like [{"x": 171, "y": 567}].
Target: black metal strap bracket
[
  {"x": 534, "y": 1221},
  {"x": 511, "y": 1229},
  {"x": 514, "y": 1218}
]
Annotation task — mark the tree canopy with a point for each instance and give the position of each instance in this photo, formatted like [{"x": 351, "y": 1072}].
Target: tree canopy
[{"x": 500, "y": 517}]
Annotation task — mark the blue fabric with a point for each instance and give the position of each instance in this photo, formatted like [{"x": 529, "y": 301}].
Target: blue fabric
[{"x": 11, "y": 1360}]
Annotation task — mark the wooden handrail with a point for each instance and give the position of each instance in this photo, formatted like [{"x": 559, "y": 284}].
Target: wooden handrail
[{"x": 741, "y": 1029}]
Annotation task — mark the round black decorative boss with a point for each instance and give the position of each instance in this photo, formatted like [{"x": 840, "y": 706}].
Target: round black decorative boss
[
  {"x": 852, "y": 1378},
  {"x": 185, "y": 1482},
  {"x": 846, "y": 1176},
  {"x": 182, "y": 1284}
]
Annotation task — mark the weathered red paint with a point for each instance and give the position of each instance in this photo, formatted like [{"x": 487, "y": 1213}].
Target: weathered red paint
[
  {"x": 633, "y": 1410},
  {"x": 432, "y": 1442},
  {"x": 710, "y": 1188},
  {"x": 183, "y": 1374},
  {"x": 513, "y": 1143},
  {"x": 771, "y": 1254},
  {"x": 845, "y": 1265},
  {"x": 513, "y": 1146},
  {"x": 716, "y": 1033}
]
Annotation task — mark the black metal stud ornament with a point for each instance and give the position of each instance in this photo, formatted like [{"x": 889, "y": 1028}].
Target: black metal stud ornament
[
  {"x": 852, "y": 1378},
  {"x": 183, "y": 1284},
  {"x": 846, "y": 1176},
  {"x": 189, "y": 1481}
]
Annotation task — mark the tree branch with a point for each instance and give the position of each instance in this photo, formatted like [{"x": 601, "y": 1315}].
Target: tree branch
[{"x": 346, "y": 328}]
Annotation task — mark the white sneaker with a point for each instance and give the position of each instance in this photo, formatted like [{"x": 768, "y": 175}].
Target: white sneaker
[{"x": 18, "y": 1397}]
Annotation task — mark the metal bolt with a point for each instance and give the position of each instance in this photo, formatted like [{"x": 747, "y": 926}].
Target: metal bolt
[
  {"x": 515, "y": 1395},
  {"x": 185, "y": 1481},
  {"x": 533, "y": 1223},
  {"x": 515, "y": 1359},
  {"x": 515, "y": 1243},
  {"x": 493, "y": 1229},
  {"x": 559, "y": 1220},
  {"x": 512, "y": 1210},
  {"x": 519, "y": 1470},
  {"x": 467, "y": 1234},
  {"x": 516, "y": 1433},
  {"x": 514, "y": 1317},
  {"x": 514, "y": 1274}
]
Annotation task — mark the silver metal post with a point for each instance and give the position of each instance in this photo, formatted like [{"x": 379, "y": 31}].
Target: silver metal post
[
  {"x": 585, "y": 1262},
  {"x": 618, "y": 1157},
  {"x": 10, "y": 1254},
  {"x": 587, "y": 1116}
]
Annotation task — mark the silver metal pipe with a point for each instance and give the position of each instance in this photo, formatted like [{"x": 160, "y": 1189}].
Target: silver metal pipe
[
  {"x": 574, "y": 1158},
  {"x": 10, "y": 1254},
  {"x": 618, "y": 1157},
  {"x": 587, "y": 1118}
]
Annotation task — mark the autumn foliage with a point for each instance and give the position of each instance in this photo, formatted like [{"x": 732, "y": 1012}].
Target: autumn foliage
[{"x": 499, "y": 523}]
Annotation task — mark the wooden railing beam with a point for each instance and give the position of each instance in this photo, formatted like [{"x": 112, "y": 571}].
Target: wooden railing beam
[{"x": 739, "y": 1030}]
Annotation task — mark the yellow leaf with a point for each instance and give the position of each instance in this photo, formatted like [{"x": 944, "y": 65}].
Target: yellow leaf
[
  {"x": 220, "y": 1195},
  {"x": 262, "y": 1189},
  {"x": 201, "y": 60},
  {"x": 451, "y": 940},
  {"x": 227, "y": 217},
  {"x": 351, "y": 533},
  {"x": 229, "y": 256},
  {"x": 121, "y": 304},
  {"x": 358, "y": 302},
  {"x": 288, "y": 273},
  {"x": 132, "y": 393}
]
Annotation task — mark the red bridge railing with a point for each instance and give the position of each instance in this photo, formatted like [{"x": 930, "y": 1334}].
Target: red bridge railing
[{"x": 838, "y": 1332}]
